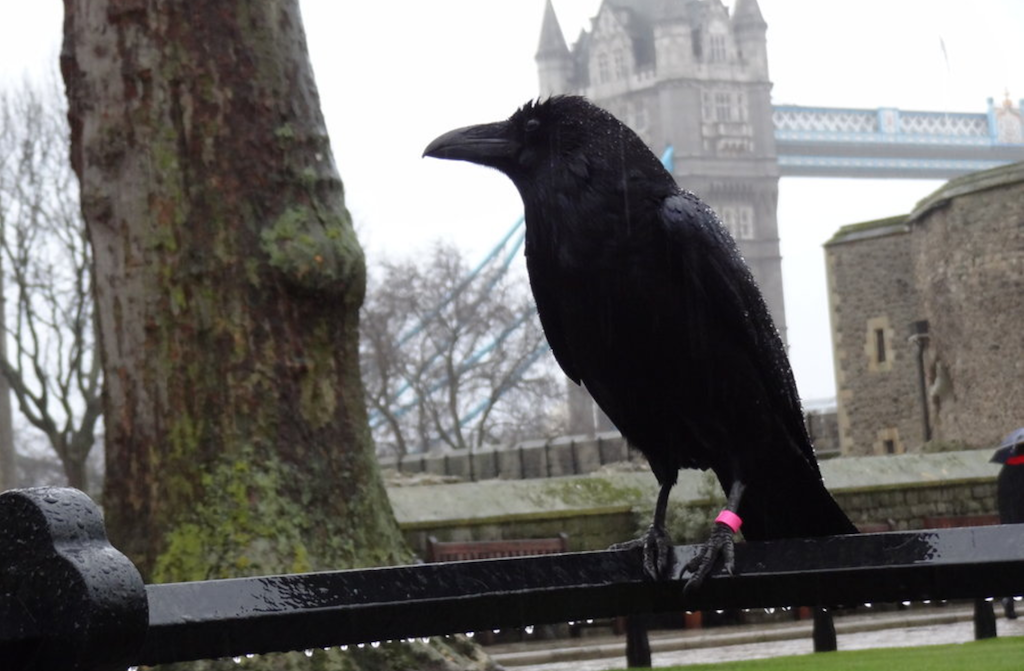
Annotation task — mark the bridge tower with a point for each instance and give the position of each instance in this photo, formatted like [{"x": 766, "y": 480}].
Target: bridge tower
[{"x": 686, "y": 74}]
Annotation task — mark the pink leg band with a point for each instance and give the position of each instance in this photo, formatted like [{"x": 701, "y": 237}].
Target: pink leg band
[{"x": 730, "y": 519}]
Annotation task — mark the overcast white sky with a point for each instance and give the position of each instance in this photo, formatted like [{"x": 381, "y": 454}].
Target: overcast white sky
[{"x": 393, "y": 75}]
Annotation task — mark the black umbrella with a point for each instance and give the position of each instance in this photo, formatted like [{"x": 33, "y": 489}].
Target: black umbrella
[{"x": 1011, "y": 450}]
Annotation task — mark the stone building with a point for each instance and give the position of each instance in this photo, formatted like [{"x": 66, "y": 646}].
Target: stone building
[
  {"x": 927, "y": 313},
  {"x": 685, "y": 74},
  {"x": 872, "y": 312}
]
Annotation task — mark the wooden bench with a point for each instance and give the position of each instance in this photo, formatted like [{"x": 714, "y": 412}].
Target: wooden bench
[
  {"x": 953, "y": 521},
  {"x": 438, "y": 551}
]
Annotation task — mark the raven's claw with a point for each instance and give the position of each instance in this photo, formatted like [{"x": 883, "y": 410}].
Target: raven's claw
[
  {"x": 658, "y": 557},
  {"x": 720, "y": 543}
]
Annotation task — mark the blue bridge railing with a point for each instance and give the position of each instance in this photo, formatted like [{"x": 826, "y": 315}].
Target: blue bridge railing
[{"x": 889, "y": 142}]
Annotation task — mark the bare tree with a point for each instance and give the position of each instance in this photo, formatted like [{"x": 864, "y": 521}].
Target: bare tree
[
  {"x": 454, "y": 362},
  {"x": 48, "y": 355}
]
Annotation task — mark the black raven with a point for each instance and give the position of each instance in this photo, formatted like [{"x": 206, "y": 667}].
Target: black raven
[{"x": 646, "y": 301}]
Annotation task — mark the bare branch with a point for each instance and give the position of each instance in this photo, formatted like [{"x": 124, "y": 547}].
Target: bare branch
[
  {"x": 50, "y": 366},
  {"x": 441, "y": 356}
]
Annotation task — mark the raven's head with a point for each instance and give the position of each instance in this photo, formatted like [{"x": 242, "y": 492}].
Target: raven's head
[{"x": 541, "y": 135}]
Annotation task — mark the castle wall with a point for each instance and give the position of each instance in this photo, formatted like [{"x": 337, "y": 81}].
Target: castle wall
[
  {"x": 872, "y": 302},
  {"x": 900, "y": 492},
  {"x": 957, "y": 262},
  {"x": 967, "y": 242}
]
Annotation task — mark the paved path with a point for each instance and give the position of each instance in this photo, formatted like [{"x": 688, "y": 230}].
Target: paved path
[{"x": 927, "y": 626}]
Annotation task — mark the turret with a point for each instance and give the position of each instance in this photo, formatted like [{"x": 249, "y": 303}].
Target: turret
[
  {"x": 750, "y": 28},
  {"x": 554, "y": 62}
]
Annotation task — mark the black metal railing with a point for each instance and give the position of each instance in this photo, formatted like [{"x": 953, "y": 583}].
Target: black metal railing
[{"x": 68, "y": 600}]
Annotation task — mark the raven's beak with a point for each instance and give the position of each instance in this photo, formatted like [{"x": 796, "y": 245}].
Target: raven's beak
[{"x": 487, "y": 144}]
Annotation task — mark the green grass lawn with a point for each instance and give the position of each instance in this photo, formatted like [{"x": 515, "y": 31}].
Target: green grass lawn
[{"x": 997, "y": 654}]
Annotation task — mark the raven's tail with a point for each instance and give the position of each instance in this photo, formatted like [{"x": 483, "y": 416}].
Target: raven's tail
[{"x": 790, "y": 501}]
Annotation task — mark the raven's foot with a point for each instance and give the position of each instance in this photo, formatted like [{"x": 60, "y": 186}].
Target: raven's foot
[
  {"x": 719, "y": 544},
  {"x": 658, "y": 557}
]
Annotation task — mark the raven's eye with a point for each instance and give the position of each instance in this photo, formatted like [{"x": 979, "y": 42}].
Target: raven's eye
[{"x": 532, "y": 125}]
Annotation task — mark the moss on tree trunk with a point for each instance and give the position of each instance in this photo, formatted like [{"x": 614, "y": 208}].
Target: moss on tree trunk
[{"x": 228, "y": 284}]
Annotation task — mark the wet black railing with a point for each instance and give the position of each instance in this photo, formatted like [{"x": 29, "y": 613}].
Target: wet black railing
[{"x": 70, "y": 601}]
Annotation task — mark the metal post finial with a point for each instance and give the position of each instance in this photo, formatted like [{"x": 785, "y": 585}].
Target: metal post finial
[{"x": 68, "y": 599}]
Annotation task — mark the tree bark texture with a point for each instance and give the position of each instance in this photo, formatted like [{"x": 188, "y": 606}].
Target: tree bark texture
[{"x": 228, "y": 284}]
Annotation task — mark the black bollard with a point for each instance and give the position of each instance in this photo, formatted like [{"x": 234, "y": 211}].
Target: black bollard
[
  {"x": 984, "y": 620},
  {"x": 68, "y": 599},
  {"x": 824, "y": 633},
  {"x": 638, "y": 645}
]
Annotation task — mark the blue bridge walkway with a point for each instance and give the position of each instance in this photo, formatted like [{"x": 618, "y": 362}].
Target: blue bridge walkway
[{"x": 888, "y": 142}]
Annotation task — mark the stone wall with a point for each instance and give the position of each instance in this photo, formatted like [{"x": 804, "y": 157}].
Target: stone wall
[
  {"x": 906, "y": 507},
  {"x": 600, "y": 509},
  {"x": 568, "y": 455},
  {"x": 595, "y": 511},
  {"x": 956, "y": 263}
]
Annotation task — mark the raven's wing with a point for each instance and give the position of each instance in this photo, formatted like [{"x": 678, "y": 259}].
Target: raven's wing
[{"x": 714, "y": 269}]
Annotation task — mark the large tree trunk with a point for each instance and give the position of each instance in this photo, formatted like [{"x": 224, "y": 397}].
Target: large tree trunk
[{"x": 228, "y": 282}]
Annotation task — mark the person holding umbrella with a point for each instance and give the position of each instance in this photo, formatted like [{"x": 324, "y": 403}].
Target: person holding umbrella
[{"x": 1010, "y": 488}]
